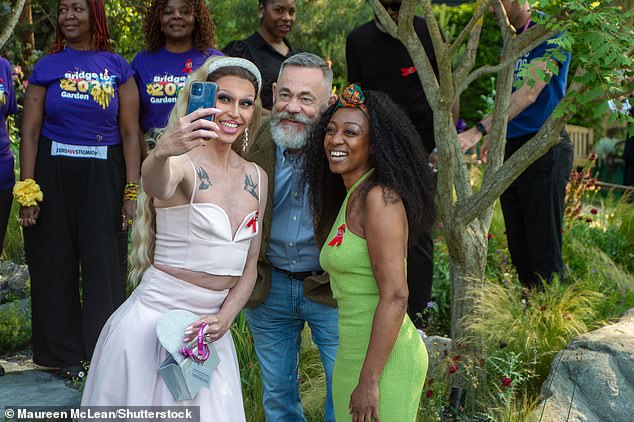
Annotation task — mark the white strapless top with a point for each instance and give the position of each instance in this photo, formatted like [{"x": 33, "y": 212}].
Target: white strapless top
[{"x": 198, "y": 237}]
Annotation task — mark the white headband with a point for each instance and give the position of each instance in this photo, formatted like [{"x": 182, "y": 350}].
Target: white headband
[{"x": 238, "y": 62}]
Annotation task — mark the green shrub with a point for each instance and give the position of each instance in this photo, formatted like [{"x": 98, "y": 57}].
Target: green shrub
[
  {"x": 535, "y": 325},
  {"x": 15, "y": 326}
]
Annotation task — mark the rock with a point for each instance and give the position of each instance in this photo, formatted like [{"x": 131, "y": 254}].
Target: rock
[
  {"x": 596, "y": 374},
  {"x": 438, "y": 348},
  {"x": 13, "y": 281}
]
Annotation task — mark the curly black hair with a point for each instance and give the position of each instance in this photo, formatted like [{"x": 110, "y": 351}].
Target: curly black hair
[
  {"x": 203, "y": 35},
  {"x": 399, "y": 161}
]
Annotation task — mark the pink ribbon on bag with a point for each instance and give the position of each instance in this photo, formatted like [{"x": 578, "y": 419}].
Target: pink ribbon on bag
[{"x": 202, "y": 350}]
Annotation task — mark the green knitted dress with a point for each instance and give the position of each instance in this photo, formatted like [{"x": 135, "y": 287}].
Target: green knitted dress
[{"x": 347, "y": 261}]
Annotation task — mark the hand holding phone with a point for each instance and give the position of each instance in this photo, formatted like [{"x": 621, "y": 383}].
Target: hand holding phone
[{"x": 202, "y": 95}]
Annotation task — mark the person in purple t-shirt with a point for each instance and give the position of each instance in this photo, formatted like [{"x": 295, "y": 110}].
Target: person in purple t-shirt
[
  {"x": 179, "y": 37},
  {"x": 8, "y": 105},
  {"x": 80, "y": 143}
]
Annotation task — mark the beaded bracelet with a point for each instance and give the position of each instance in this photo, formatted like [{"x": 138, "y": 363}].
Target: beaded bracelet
[
  {"x": 27, "y": 193},
  {"x": 131, "y": 192}
]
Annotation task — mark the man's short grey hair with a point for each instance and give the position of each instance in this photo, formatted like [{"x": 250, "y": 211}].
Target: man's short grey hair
[{"x": 309, "y": 60}]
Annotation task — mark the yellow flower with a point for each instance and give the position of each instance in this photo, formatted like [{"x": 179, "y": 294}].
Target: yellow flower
[{"x": 27, "y": 193}]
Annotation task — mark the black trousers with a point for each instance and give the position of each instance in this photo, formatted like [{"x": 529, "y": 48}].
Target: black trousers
[
  {"x": 420, "y": 274},
  {"x": 77, "y": 233},
  {"x": 6, "y": 199},
  {"x": 533, "y": 208}
]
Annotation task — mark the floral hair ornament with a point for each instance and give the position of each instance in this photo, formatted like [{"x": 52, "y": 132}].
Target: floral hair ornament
[
  {"x": 352, "y": 97},
  {"x": 237, "y": 62}
]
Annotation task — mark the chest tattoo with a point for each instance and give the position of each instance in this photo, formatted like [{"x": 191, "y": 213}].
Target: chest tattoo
[
  {"x": 205, "y": 181},
  {"x": 250, "y": 187}
]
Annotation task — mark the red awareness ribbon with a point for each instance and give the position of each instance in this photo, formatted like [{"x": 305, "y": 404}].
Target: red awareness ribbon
[
  {"x": 253, "y": 222},
  {"x": 189, "y": 66},
  {"x": 336, "y": 241},
  {"x": 406, "y": 71}
]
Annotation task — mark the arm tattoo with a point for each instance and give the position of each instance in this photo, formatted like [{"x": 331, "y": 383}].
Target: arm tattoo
[
  {"x": 205, "y": 182},
  {"x": 250, "y": 187}
]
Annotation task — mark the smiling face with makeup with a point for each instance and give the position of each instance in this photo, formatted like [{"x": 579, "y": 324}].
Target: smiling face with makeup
[
  {"x": 236, "y": 101},
  {"x": 347, "y": 144}
]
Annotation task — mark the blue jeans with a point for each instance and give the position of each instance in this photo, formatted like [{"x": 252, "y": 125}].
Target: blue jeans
[{"x": 276, "y": 326}]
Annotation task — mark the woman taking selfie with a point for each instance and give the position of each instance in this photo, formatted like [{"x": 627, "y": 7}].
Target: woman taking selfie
[
  {"x": 364, "y": 167},
  {"x": 196, "y": 243}
]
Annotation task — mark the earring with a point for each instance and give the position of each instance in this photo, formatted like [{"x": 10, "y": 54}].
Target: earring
[{"x": 245, "y": 140}]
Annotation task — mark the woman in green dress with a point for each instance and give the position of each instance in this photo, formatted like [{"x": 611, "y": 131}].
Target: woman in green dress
[{"x": 366, "y": 171}]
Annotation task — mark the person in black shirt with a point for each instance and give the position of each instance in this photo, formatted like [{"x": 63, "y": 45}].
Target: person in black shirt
[
  {"x": 377, "y": 61},
  {"x": 380, "y": 62},
  {"x": 268, "y": 47}
]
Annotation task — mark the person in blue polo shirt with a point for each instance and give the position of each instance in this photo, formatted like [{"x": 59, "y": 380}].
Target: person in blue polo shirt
[{"x": 534, "y": 203}]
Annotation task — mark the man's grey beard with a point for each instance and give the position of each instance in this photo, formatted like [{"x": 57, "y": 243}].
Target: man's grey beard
[{"x": 289, "y": 137}]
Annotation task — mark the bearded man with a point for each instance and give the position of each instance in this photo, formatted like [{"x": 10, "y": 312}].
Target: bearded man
[{"x": 291, "y": 289}]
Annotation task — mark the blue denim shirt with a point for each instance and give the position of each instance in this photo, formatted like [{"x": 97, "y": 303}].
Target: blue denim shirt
[{"x": 292, "y": 245}]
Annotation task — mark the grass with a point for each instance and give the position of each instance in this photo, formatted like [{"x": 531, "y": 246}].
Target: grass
[{"x": 311, "y": 374}]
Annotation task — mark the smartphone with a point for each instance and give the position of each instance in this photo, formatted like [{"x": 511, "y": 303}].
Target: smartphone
[{"x": 202, "y": 95}]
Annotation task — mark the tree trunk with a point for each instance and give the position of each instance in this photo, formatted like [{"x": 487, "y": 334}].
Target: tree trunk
[
  {"x": 11, "y": 23},
  {"x": 467, "y": 261},
  {"x": 28, "y": 38}
]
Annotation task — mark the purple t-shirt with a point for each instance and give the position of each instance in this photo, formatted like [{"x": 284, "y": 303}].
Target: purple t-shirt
[
  {"x": 160, "y": 77},
  {"x": 82, "y": 101},
  {"x": 8, "y": 105}
]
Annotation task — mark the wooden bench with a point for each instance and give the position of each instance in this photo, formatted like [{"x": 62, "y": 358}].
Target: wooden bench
[{"x": 582, "y": 141}]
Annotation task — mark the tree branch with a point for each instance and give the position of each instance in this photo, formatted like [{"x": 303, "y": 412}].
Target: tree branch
[
  {"x": 384, "y": 18},
  {"x": 469, "y": 57},
  {"x": 526, "y": 45},
  {"x": 10, "y": 25},
  {"x": 501, "y": 179},
  {"x": 431, "y": 84},
  {"x": 500, "y": 118},
  {"x": 476, "y": 19}
]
